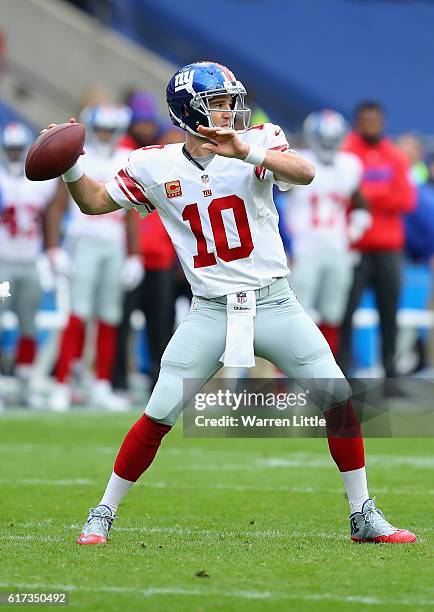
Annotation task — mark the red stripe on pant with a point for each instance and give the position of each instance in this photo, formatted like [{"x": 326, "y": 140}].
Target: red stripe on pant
[
  {"x": 105, "y": 350},
  {"x": 26, "y": 351},
  {"x": 71, "y": 347},
  {"x": 139, "y": 448},
  {"x": 345, "y": 437}
]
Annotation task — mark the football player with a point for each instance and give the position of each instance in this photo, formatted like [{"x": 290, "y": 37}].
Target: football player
[
  {"x": 322, "y": 225},
  {"x": 214, "y": 196},
  {"x": 100, "y": 269},
  {"x": 21, "y": 242}
]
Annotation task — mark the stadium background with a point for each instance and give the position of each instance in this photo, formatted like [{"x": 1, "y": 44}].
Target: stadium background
[
  {"x": 351, "y": 51},
  {"x": 294, "y": 57}
]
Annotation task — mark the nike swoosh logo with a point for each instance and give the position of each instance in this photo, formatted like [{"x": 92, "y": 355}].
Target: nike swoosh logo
[{"x": 277, "y": 132}]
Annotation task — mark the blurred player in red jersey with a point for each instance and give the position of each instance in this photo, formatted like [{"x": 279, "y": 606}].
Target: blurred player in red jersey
[
  {"x": 155, "y": 295},
  {"x": 21, "y": 242},
  {"x": 214, "y": 195},
  {"x": 321, "y": 229},
  {"x": 103, "y": 261},
  {"x": 388, "y": 188}
]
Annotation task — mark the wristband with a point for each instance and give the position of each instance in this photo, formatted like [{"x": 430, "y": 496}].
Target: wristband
[
  {"x": 256, "y": 155},
  {"x": 74, "y": 173}
]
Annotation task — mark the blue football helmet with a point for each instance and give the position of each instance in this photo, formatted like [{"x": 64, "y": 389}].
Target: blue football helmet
[
  {"x": 190, "y": 92},
  {"x": 112, "y": 119},
  {"x": 324, "y": 132}
]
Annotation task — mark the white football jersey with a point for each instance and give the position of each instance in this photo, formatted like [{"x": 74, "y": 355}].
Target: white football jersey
[
  {"x": 316, "y": 214},
  {"x": 112, "y": 225},
  {"x": 222, "y": 220},
  {"x": 24, "y": 203}
]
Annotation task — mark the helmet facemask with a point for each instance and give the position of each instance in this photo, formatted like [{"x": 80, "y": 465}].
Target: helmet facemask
[
  {"x": 203, "y": 103},
  {"x": 201, "y": 108},
  {"x": 325, "y": 148},
  {"x": 14, "y": 158},
  {"x": 105, "y": 124}
]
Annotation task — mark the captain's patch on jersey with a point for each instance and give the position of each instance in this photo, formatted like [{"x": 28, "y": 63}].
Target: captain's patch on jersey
[{"x": 173, "y": 189}]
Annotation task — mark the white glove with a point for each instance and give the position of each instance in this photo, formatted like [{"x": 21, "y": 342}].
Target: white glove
[
  {"x": 359, "y": 221},
  {"x": 132, "y": 272},
  {"x": 60, "y": 261},
  {"x": 4, "y": 290}
]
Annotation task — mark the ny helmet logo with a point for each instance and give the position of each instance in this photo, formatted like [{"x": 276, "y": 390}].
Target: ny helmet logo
[
  {"x": 241, "y": 297},
  {"x": 184, "y": 80}
]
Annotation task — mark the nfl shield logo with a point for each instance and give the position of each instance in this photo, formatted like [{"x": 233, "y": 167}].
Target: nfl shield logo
[{"x": 241, "y": 297}]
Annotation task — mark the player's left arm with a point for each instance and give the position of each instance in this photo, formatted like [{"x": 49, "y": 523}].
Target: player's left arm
[
  {"x": 133, "y": 270},
  {"x": 287, "y": 167},
  {"x": 132, "y": 234},
  {"x": 358, "y": 200},
  {"x": 53, "y": 215}
]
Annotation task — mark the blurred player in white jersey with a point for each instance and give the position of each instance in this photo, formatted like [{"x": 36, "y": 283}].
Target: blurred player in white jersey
[
  {"x": 323, "y": 218},
  {"x": 21, "y": 242},
  {"x": 214, "y": 196},
  {"x": 100, "y": 268}
]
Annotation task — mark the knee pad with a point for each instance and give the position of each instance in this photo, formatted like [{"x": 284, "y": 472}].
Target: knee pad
[{"x": 326, "y": 393}]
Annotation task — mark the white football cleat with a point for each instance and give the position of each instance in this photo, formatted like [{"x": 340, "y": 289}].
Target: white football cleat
[
  {"x": 97, "y": 526},
  {"x": 102, "y": 396},
  {"x": 60, "y": 398},
  {"x": 370, "y": 525}
]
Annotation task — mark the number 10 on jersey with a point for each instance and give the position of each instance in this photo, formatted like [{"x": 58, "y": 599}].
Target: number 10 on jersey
[{"x": 224, "y": 251}]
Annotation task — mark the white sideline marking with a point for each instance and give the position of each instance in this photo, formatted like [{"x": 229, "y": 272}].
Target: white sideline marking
[
  {"x": 160, "y": 485},
  {"x": 237, "y": 594},
  {"x": 219, "y": 486},
  {"x": 56, "y": 448},
  {"x": 45, "y": 482},
  {"x": 191, "y": 531},
  {"x": 31, "y": 537},
  {"x": 385, "y": 461},
  {"x": 296, "y": 459}
]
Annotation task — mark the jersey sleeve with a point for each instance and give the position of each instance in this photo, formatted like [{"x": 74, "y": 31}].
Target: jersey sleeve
[
  {"x": 128, "y": 188},
  {"x": 273, "y": 137}
]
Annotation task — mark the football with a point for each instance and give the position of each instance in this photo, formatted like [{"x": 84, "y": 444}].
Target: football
[{"x": 55, "y": 151}]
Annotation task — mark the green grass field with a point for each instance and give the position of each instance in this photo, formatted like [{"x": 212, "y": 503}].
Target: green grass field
[{"x": 263, "y": 522}]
